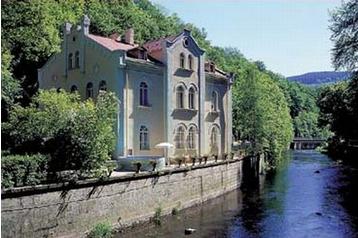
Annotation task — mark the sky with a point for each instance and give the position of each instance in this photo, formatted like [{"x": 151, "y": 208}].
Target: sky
[{"x": 290, "y": 36}]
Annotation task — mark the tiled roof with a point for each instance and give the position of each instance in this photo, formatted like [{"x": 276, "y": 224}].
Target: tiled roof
[
  {"x": 155, "y": 45},
  {"x": 111, "y": 44}
]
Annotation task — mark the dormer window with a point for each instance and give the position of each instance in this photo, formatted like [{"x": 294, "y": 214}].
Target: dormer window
[
  {"x": 190, "y": 61},
  {"x": 182, "y": 60},
  {"x": 70, "y": 61},
  {"x": 77, "y": 59}
]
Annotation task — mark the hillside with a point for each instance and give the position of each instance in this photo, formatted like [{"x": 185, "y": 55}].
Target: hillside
[{"x": 316, "y": 78}]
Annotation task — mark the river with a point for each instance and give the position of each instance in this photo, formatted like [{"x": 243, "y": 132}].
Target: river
[{"x": 308, "y": 196}]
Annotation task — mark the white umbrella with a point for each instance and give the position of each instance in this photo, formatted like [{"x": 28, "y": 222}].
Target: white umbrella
[{"x": 165, "y": 145}]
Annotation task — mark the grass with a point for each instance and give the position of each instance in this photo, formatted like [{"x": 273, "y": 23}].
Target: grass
[
  {"x": 157, "y": 216},
  {"x": 175, "y": 211},
  {"x": 101, "y": 230}
]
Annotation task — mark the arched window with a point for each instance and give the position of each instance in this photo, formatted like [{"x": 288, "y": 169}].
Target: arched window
[
  {"x": 190, "y": 61},
  {"x": 102, "y": 86},
  {"x": 214, "y": 101},
  {"x": 182, "y": 61},
  {"x": 77, "y": 59},
  {"x": 143, "y": 94},
  {"x": 192, "y": 98},
  {"x": 191, "y": 138},
  {"x": 74, "y": 88},
  {"x": 214, "y": 138},
  {"x": 143, "y": 138},
  {"x": 180, "y": 97},
  {"x": 89, "y": 90},
  {"x": 70, "y": 61},
  {"x": 179, "y": 138}
]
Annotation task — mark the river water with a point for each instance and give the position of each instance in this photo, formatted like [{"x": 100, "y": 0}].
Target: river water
[{"x": 308, "y": 196}]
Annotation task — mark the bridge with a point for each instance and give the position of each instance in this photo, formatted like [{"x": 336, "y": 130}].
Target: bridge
[{"x": 301, "y": 143}]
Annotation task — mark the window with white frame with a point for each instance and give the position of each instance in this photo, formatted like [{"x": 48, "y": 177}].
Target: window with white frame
[
  {"x": 143, "y": 94},
  {"x": 74, "y": 88},
  {"x": 190, "y": 62},
  {"x": 182, "y": 60},
  {"x": 214, "y": 101},
  {"x": 143, "y": 138},
  {"x": 89, "y": 90},
  {"x": 77, "y": 59},
  {"x": 192, "y": 98},
  {"x": 179, "y": 138},
  {"x": 191, "y": 138},
  {"x": 214, "y": 138},
  {"x": 70, "y": 61},
  {"x": 180, "y": 97},
  {"x": 102, "y": 86}
]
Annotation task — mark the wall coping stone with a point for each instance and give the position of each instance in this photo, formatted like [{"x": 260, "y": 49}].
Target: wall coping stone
[{"x": 45, "y": 188}]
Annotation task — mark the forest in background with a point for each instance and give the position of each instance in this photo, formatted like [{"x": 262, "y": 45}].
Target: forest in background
[{"x": 268, "y": 109}]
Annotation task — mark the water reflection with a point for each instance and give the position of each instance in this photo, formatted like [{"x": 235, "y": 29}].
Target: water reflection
[{"x": 309, "y": 196}]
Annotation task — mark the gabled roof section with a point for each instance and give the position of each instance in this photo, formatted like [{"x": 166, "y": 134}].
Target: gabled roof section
[
  {"x": 111, "y": 44},
  {"x": 156, "y": 45}
]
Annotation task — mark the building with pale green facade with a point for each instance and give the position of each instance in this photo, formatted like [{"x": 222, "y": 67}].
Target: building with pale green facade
[{"x": 167, "y": 91}]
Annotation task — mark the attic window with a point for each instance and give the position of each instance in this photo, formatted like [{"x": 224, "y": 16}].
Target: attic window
[
  {"x": 74, "y": 38},
  {"x": 186, "y": 42}
]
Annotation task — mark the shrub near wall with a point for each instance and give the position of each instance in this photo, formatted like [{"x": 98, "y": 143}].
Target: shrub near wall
[
  {"x": 22, "y": 170},
  {"x": 77, "y": 136}
]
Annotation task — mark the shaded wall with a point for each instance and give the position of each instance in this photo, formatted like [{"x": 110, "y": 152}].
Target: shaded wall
[{"x": 56, "y": 210}]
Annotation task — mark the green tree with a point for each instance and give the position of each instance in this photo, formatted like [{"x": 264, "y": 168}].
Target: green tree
[
  {"x": 76, "y": 135},
  {"x": 344, "y": 27},
  {"x": 261, "y": 115}
]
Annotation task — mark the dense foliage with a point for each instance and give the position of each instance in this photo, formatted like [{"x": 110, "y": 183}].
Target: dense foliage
[
  {"x": 339, "y": 103},
  {"x": 262, "y": 115},
  {"x": 339, "y": 110},
  {"x": 344, "y": 27},
  {"x": 75, "y": 135},
  {"x": 32, "y": 32},
  {"x": 22, "y": 170}
]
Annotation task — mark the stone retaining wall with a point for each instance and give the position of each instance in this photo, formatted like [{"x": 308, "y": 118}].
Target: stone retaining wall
[{"x": 69, "y": 210}]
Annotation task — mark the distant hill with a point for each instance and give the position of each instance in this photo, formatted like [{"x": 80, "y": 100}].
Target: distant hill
[{"x": 317, "y": 78}]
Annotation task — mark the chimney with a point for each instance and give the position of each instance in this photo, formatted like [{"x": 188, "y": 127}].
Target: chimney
[
  {"x": 85, "y": 24},
  {"x": 115, "y": 36},
  {"x": 129, "y": 36},
  {"x": 67, "y": 28}
]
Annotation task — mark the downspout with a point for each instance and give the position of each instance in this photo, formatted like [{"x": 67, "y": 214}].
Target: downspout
[{"x": 126, "y": 105}]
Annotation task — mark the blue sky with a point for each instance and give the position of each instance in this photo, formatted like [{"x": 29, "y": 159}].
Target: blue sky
[{"x": 290, "y": 36}]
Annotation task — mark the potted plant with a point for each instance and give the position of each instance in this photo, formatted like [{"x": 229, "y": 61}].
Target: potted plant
[
  {"x": 200, "y": 159},
  {"x": 179, "y": 161},
  {"x": 205, "y": 157},
  {"x": 137, "y": 165},
  {"x": 193, "y": 160},
  {"x": 225, "y": 156},
  {"x": 215, "y": 157},
  {"x": 154, "y": 164}
]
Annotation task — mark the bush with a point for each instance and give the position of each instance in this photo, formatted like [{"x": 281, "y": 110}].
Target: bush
[
  {"x": 158, "y": 216},
  {"x": 77, "y": 135},
  {"x": 101, "y": 230},
  {"x": 22, "y": 170}
]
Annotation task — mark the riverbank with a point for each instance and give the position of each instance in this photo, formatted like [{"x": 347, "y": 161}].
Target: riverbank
[{"x": 72, "y": 209}]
